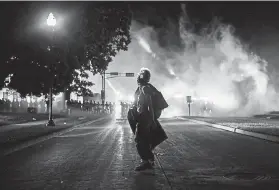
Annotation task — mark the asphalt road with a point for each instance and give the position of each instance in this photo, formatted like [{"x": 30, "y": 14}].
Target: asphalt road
[{"x": 103, "y": 156}]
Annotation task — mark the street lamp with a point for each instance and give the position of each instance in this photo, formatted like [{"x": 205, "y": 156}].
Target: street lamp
[
  {"x": 103, "y": 91},
  {"x": 51, "y": 21}
]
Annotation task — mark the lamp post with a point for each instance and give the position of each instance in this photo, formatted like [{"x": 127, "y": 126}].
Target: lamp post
[
  {"x": 103, "y": 95},
  {"x": 51, "y": 21}
]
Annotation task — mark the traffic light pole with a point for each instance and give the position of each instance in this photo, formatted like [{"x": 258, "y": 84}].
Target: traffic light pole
[
  {"x": 112, "y": 75},
  {"x": 103, "y": 92}
]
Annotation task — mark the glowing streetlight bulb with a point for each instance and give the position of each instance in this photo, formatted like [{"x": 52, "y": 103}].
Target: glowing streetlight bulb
[{"x": 51, "y": 21}]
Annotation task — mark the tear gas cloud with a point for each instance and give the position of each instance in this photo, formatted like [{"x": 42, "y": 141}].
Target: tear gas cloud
[{"x": 218, "y": 67}]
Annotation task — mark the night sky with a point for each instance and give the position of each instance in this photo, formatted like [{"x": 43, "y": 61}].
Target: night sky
[
  {"x": 254, "y": 21},
  {"x": 246, "y": 17},
  {"x": 239, "y": 14}
]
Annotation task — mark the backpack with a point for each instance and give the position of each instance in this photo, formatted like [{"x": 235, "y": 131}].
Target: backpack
[{"x": 158, "y": 101}]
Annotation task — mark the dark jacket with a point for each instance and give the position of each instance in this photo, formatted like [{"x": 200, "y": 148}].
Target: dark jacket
[{"x": 156, "y": 134}]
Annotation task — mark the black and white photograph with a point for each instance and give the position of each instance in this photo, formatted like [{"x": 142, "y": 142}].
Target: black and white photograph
[{"x": 139, "y": 95}]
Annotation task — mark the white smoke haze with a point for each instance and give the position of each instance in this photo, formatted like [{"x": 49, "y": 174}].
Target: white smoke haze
[{"x": 217, "y": 67}]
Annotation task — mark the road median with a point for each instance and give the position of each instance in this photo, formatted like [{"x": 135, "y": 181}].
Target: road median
[{"x": 259, "y": 128}]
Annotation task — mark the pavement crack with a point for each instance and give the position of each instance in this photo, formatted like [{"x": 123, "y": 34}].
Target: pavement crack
[{"x": 162, "y": 169}]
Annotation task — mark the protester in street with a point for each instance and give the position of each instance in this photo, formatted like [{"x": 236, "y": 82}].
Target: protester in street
[
  {"x": 98, "y": 109},
  {"x": 143, "y": 117}
]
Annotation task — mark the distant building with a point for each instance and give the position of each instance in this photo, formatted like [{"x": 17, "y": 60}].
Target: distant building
[{"x": 6, "y": 93}]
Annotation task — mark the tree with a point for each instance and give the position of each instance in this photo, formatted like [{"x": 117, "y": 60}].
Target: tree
[
  {"x": 105, "y": 31},
  {"x": 7, "y": 10},
  {"x": 97, "y": 34},
  {"x": 37, "y": 69},
  {"x": 80, "y": 85}
]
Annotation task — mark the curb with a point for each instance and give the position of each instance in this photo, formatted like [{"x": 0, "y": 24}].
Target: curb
[
  {"x": 47, "y": 137},
  {"x": 32, "y": 121},
  {"x": 271, "y": 138},
  {"x": 27, "y": 124}
]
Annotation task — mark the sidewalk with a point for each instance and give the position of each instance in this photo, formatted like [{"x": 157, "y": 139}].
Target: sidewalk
[
  {"x": 13, "y": 135},
  {"x": 260, "y": 127},
  {"x": 8, "y": 118}
]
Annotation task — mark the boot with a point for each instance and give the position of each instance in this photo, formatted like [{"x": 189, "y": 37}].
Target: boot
[{"x": 144, "y": 165}]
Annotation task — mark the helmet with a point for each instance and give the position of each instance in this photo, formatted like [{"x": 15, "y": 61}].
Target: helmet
[{"x": 144, "y": 76}]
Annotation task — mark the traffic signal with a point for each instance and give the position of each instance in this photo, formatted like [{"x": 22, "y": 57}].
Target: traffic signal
[
  {"x": 113, "y": 73},
  {"x": 130, "y": 74}
]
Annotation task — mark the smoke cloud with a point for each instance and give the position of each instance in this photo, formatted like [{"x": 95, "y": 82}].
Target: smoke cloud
[{"x": 214, "y": 64}]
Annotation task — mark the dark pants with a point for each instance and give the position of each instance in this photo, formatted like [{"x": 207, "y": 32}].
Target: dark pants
[
  {"x": 140, "y": 125},
  {"x": 158, "y": 134},
  {"x": 144, "y": 149}
]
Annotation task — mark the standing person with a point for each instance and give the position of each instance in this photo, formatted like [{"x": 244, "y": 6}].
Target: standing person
[
  {"x": 91, "y": 107},
  {"x": 98, "y": 107},
  {"x": 107, "y": 107},
  {"x": 143, "y": 119},
  {"x": 80, "y": 106},
  {"x": 36, "y": 105},
  {"x": 122, "y": 109},
  {"x": 94, "y": 107},
  {"x": 14, "y": 108},
  {"x": 47, "y": 105},
  {"x": 42, "y": 106}
]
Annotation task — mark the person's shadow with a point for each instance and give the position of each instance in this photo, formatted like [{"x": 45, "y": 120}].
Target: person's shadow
[{"x": 146, "y": 180}]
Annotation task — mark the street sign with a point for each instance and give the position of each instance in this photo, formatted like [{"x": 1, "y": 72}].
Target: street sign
[
  {"x": 113, "y": 73},
  {"x": 130, "y": 74},
  {"x": 189, "y": 99}
]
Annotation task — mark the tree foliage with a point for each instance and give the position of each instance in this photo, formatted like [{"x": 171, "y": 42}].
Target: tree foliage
[
  {"x": 93, "y": 38},
  {"x": 80, "y": 85},
  {"x": 36, "y": 73},
  {"x": 105, "y": 31}
]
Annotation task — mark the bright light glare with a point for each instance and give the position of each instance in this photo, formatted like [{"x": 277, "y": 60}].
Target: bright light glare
[
  {"x": 117, "y": 110},
  {"x": 51, "y": 21},
  {"x": 112, "y": 87},
  {"x": 144, "y": 45},
  {"x": 178, "y": 96},
  {"x": 131, "y": 98}
]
